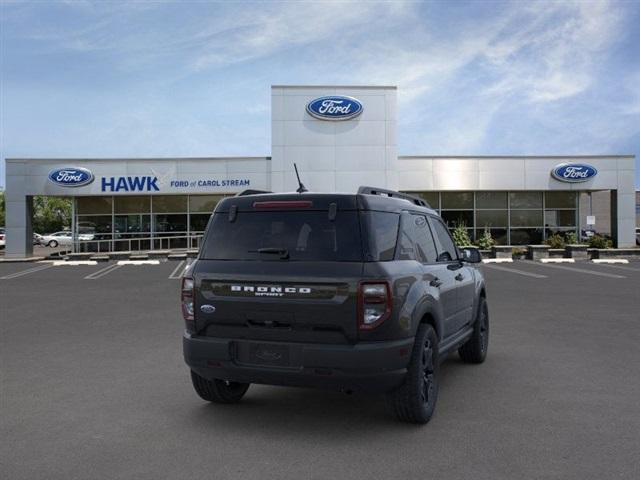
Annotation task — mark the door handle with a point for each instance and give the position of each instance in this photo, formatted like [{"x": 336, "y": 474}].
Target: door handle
[
  {"x": 459, "y": 277},
  {"x": 435, "y": 282}
]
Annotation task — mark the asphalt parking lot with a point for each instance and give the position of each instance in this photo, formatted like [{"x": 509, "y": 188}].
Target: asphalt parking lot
[{"x": 94, "y": 387}]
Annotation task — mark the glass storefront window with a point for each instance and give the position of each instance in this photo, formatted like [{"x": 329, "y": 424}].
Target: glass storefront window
[
  {"x": 526, "y": 236},
  {"x": 204, "y": 203},
  {"x": 169, "y": 203},
  {"x": 432, "y": 198},
  {"x": 457, "y": 200},
  {"x": 458, "y": 217},
  {"x": 169, "y": 223},
  {"x": 525, "y": 200},
  {"x": 130, "y": 224},
  {"x": 492, "y": 218},
  {"x": 133, "y": 204},
  {"x": 560, "y": 199},
  {"x": 526, "y": 218},
  {"x": 93, "y": 205},
  {"x": 499, "y": 235},
  {"x": 491, "y": 200},
  {"x": 560, "y": 218},
  {"x": 92, "y": 224}
]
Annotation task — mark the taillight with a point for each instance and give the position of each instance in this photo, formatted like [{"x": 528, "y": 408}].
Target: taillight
[
  {"x": 186, "y": 298},
  {"x": 374, "y": 304}
]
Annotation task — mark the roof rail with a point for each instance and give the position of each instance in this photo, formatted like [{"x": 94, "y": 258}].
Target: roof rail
[
  {"x": 251, "y": 192},
  {"x": 393, "y": 194}
]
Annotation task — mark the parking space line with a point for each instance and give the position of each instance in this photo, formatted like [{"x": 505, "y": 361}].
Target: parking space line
[
  {"x": 177, "y": 272},
  {"x": 630, "y": 269},
  {"x": 26, "y": 272},
  {"x": 102, "y": 272},
  {"x": 513, "y": 270},
  {"x": 581, "y": 270}
]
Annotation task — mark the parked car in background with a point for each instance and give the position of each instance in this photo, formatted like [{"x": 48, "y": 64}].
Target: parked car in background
[
  {"x": 637, "y": 236},
  {"x": 63, "y": 238},
  {"x": 2, "y": 240}
]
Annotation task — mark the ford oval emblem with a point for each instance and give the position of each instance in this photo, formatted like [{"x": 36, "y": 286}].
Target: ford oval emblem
[
  {"x": 334, "y": 107},
  {"x": 207, "y": 308},
  {"x": 71, "y": 177},
  {"x": 574, "y": 172}
]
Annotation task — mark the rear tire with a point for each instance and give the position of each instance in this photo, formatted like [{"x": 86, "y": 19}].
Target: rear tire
[
  {"x": 218, "y": 391},
  {"x": 53, "y": 244},
  {"x": 415, "y": 400},
  {"x": 475, "y": 350}
]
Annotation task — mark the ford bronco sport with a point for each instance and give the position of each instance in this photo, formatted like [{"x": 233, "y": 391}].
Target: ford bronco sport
[{"x": 363, "y": 292}]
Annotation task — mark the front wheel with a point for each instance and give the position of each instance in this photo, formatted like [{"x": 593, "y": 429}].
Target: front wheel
[
  {"x": 218, "y": 391},
  {"x": 53, "y": 244},
  {"x": 475, "y": 349},
  {"x": 415, "y": 400}
]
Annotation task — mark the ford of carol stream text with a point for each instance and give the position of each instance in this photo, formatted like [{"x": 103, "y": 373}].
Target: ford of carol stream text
[{"x": 354, "y": 292}]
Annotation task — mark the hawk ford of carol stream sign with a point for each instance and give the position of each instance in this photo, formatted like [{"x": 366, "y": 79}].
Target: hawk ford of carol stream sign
[
  {"x": 335, "y": 107},
  {"x": 71, "y": 177},
  {"x": 574, "y": 172}
]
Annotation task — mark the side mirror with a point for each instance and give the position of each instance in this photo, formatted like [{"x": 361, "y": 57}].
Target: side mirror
[{"x": 471, "y": 255}]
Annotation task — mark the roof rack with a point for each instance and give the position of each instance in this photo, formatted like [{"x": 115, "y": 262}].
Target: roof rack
[
  {"x": 251, "y": 192},
  {"x": 393, "y": 194}
]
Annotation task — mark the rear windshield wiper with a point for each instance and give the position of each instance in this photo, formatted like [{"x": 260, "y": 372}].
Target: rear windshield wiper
[{"x": 283, "y": 252}]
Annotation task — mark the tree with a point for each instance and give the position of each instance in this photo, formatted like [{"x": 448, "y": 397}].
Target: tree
[
  {"x": 51, "y": 214},
  {"x": 461, "y": 235}
]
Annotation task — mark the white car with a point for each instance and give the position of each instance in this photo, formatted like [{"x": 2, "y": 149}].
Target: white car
[{"x": 62, "y": 238}]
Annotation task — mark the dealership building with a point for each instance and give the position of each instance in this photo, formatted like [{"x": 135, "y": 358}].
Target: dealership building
[{"x": 340, "y": 137}]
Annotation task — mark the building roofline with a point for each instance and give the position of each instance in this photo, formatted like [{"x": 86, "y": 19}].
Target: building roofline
[
  {"x": 120, "y": 159},
  {"x": 513, "y": 156}
]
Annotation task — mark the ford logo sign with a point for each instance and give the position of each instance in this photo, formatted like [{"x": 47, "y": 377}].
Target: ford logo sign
[
  {"x": 71, "y": 177},
  {"x": 574, "y": 172},
  {"x": 335, "y": 107}
]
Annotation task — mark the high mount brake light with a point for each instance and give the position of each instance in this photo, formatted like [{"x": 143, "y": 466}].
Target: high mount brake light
[
  {"x": 186, "y": 298},
  {"x": 374, "y": 304},
  {"x": 283, "y": 204}
]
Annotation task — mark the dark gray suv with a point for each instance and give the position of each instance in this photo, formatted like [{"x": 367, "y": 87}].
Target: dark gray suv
[{"x": 363, "y": 292}]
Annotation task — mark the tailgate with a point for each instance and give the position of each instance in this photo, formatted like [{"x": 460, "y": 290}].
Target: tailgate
[{"x": 312, "y": 302}]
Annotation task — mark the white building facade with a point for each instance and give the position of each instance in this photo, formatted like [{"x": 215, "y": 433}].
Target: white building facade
[{"x": 340, "y": 138}]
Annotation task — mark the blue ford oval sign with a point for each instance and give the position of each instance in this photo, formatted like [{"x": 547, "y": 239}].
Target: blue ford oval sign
[
  {"x": 71, "y": 177},
  {"x": 574, "y": 172},
  {"x": 334, "y": 107}
]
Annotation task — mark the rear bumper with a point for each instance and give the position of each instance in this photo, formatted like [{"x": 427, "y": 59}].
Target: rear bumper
[{"x": 370, "y": 367}]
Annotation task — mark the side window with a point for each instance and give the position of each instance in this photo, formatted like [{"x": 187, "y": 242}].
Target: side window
[
  {"x": 383, "y": 234},
  {"x": 444, "y": 244},
  {"x": 406, "y": 242},
  {"x": 424, "y": 240},
  {"x": 416, "y": 242}
]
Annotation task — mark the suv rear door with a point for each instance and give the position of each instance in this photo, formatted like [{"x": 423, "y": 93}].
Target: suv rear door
[
  {"x": 459, "y": 276},
  {"x": 280, "y": 273}
]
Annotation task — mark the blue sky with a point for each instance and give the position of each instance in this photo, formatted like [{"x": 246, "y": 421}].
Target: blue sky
[{"x": 127, "y": 79}]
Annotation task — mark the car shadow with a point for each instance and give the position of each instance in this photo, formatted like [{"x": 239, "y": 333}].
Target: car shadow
[{"x": 290, "y": 411}]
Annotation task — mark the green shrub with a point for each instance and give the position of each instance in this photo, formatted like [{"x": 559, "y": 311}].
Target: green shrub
[
  {"x": 571, "y": 239},
  {"x": 461, "y": 235},
  {"x": 556, "y": 241},
  {"x": 486, "y": 241},
  {"x": 599, "y": 241}
]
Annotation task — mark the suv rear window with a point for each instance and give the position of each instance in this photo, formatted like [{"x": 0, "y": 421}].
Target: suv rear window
[{"x": 304, "y": 235}]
